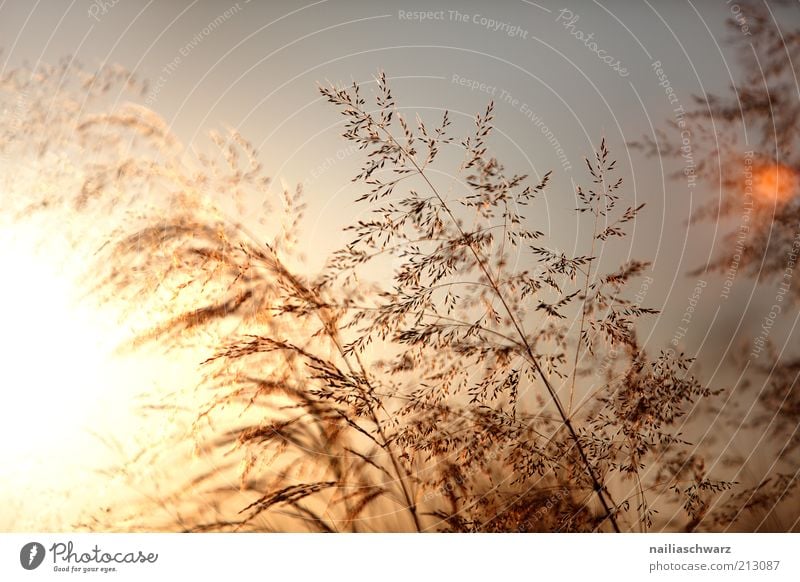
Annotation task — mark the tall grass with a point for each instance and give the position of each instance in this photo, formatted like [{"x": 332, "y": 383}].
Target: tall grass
[
  {"x": 745, "y": 144},
  {"x": 436, "y": 375}
]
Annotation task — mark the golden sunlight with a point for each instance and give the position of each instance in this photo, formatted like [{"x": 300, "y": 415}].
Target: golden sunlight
[
  {"x": 52, "y": 357},
  {"x": 776, "y": 182}
]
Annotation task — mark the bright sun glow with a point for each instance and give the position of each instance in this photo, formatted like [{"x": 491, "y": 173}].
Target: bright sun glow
[
  {"x": 776, "y": 182},
  {"x": 68, "y": 403},
  {"x": 52, "y": 359}
]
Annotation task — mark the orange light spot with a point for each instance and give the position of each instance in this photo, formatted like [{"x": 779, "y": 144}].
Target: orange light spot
[{"x": 776, "y": 182}]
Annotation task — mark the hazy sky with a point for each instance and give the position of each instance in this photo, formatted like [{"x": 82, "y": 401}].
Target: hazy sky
[{"x": 254, "y": 66}]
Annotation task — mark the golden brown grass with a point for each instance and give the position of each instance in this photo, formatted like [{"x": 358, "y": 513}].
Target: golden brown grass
[{"x": 432, "y": 377}]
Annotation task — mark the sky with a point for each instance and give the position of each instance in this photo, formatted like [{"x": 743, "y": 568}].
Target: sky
[{"x": 562, "y": 76}]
